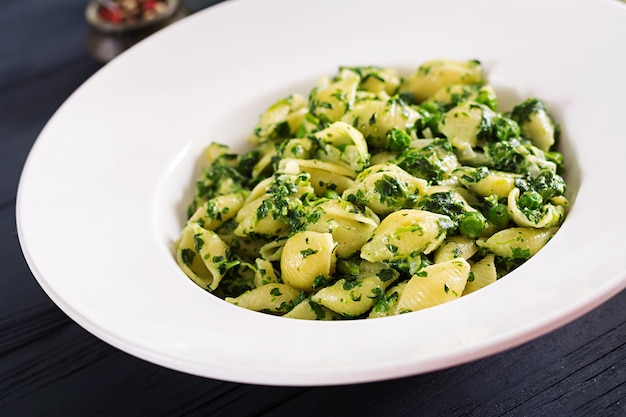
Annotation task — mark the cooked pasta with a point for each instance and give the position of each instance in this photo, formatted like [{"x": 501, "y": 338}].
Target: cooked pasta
[{"x": 376, "y": 194}]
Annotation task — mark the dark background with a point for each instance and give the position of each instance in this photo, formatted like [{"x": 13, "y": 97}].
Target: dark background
[{"x": 49, "y": 366}]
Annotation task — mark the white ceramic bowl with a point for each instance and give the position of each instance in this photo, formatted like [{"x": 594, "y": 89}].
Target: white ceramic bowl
[{"x": 103, "y": 192}]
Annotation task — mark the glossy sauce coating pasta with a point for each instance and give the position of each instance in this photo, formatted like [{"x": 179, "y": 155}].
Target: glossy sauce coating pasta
[{"x": 377, "y": 194}]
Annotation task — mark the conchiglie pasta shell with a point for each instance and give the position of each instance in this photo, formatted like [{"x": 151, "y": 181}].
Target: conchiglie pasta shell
[
  {"x": 495, "y": 183},
  {"x": 484, "y": 274},
  {"x": 459, "y": 93},
  {"x": 300, "y": 180},
  {"x": 350, "y": 227},
  {"x": 456, "y": 195},
  {"x": 206, "y": 246},
  {"x": 433, "y": 285},
  {"x": 306, "y": 256},
  {"x": 311, "y": 311},
  {"x": 216, "y": 211},
  {"x": 529, "y": 240},
  {"x": 350, "y": 299},
  {"x": 455, "y": 247},
  {"x": 375, "y": 118},
  {"x": 406, "y": 233},
  {"x": 539, "y": 129},
  {"x": 297, "y": 148},
  {"x": 250, "y": 223},
  {"x": 333, "y": 100},
  {"x": 298, "y": 120},
  {"x": 214, "y": 151},
  {"x": 364, "y": 189},
  {"x": 436, "y": 74},
  {"x": 276, "y": 114},
  {"x": 265, "y": 162},
  {"x": 304, "y": 165},
  {"x": 343, "y": 144},
  {"x": 260, "y": 189},
  {"x": 552, "y": 215},
  {"x": 270, "y": 298},
  {"x": 461, "y": 126},
  {"x": 383, "y": 158},
  {"x": 385, "y": 80},
  {"x": 391, "y": 304},
  {"x": 323, "y": 175},
  {"x": 264, "y": 272},
  {"x": 273, "y": 249}
]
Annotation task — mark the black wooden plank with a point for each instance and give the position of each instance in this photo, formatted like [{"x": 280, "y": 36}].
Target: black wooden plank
[
  {"x": 24, "y": 111},
  {"x": 88, "y": 377},
  {"x": 49, "y": 366},
  {"x": 19, "y": 291},
  {"x": 550, "y": 376},
  {"x": 29, "y": 326},
  {"x": 38, "y": 35}
]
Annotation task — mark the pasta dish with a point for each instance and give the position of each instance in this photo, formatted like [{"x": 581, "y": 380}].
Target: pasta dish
[{"x": 376, "y": 194}]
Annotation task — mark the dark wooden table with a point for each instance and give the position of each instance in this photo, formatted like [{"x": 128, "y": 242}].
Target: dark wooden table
[{"x": 49, "y": 366}]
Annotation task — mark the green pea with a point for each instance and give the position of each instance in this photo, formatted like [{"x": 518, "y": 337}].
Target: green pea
[
  {"x": 471, "y": 224},
  {"x": 331, "y": 194},
  {"x": 498, "y": 215},
  {"x": 531, "y": 200},
  {"x": 555, "y": 157}
]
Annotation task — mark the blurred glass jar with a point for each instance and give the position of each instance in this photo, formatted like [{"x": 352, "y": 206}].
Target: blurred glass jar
[{"x": 116, "y": 25}]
